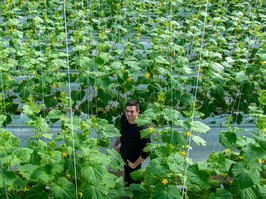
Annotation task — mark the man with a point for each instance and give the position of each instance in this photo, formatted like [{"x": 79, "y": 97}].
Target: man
[{"x": 131, "y": 148}]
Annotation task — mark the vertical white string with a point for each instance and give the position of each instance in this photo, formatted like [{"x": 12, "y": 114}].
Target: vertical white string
[
  {"x": 70, "y": 103},
  {"x": 195, "y": 96}
]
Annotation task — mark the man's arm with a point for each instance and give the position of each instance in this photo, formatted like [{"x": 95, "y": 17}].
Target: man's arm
[
  {"x": 136, "y": 163},
  {"x": 116, "y": 143}
]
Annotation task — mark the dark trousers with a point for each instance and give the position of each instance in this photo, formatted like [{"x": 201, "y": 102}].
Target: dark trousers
[{"x": 128, "y": 171}]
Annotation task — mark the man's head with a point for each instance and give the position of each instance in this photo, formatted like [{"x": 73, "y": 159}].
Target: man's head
[{"x": 132, "y": 111}]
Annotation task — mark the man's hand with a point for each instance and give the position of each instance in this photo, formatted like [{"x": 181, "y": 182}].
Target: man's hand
[
  {"x": 131, "y": 165},
  {"x": 117, "y": 148}
]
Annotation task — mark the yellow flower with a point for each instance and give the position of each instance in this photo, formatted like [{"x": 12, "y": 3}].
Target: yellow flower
[
  {"x": 183, "y": 153},
  {"x": 174, "y": 54},
  {"x": 185, "y": 81},
  {"x": 9, "y": 78},
  {"x": 147, "y": 75},
  {"x": 215, "y": 35},
  {"x": 164, "y": 181},
  {"x": 260, "y": 161},
  {"x": 151, "y": 128},
  {"x": 188, "y": 133},
  {"x": 64, "y": 154},
  {"x": 227, "y": 150},
  {"x": 80, "y": 195},
  {"x": 196, "y": 18},
  {"x": 264, "y": 130},
  {"x": 129, "y": 79},
  {"x": 26, "y": 188},
  {"x": 241, "y": 157}
]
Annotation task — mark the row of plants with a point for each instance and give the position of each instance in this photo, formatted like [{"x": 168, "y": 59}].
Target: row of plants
[{"x": 183, "y": 60}]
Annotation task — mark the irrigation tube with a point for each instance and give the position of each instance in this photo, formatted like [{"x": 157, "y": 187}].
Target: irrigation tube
[
  {"x": 195, "y": 96},
  {"x": 70, "y": 105}
]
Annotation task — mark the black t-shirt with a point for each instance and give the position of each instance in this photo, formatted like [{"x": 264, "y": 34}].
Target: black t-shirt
[{"x": 131, "y": 143}]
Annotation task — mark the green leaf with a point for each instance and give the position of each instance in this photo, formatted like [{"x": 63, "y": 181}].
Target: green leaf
[
  {"x": 43, "y": 174},
  {"x": 8, "y": 141},
  {"x": 116, "y": 160},
  {"x": 32, "y": 110},
  {"x": 139, "y": 192},
  {"x": 166, "y": 192},
  {"x": 36, "y": 191},
  {"x": 94, "y": 191},
  {"x": 246, "y": 176},
  {"x": 161, "y": 60},
  {"x": 2, "y": 119},
  {"x": 27, "y": 170},
  {"x": 10, "y": 179},
  {"x": 175, "y": 162},
  {"x": 221, "y": 194},
  {"x": 199, "y": 127},
  {"x": 171, "y": 136},
  {"x": 198, "y": 140},
  {"x": 93, "y": 173},
  {"x": 170, "y": 114},
  {"x": 22, "y": 154},
  {"x": 157, "y": 167},
  {"x": 55, "y": 114},
  {"x": 197, "y": 176},
  {"x": 254, "y": 152},
  {"x": 110, "y": 131},
  {"x": 262, "y": 192},
  {"x": 227, "y": 139},
  {"x": 63, "y": 189},
  {"x": 39, "y": 124}
]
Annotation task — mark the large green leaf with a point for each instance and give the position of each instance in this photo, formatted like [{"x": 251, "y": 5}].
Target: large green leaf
[
  {"x": 39, "y": 124},
  {"x": 157, "y": 167},
  {"x": 110, "y": 131},
  {"x": 32, "y": 110},
  {"x": 166, "y": 192},
  {"x": 139, "y": 192},
  {"x": 262, "y": 192},
  {"x": 199, "y": 127},
  {"x": 55, "y": 114},
  {"x": 2, "y": 119},
  {"x": 245, "y": 175},
  {"x": 36, "y": 191},
  {"x": 172, "y": 136},
  {"x": 93, "y": 172},
  {"x": 94, "y": 191},
  {"x": 116, "y": 160},
  {"x": 43, "y": 174},
  {"x": 27, "y": 170},
  {"x": 62, "y": 188},
  {"x": 221, "y": 193},
  {"x": 20, "y": 155},
  {"x": 161, "y": 60},
  {"x": 227, "y": 139},
  {"x": 9, "y": 178},
  {"x": 198, "y": 177},
  {"x": 8, "y": 141},
  {"x": 254, "y": 152}
]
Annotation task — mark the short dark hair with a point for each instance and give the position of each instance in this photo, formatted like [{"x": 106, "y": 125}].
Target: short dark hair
[{"x": 133, "y": 103}]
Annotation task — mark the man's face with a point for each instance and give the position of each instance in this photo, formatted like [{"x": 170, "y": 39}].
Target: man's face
[{"x": 131, "y": 114}]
